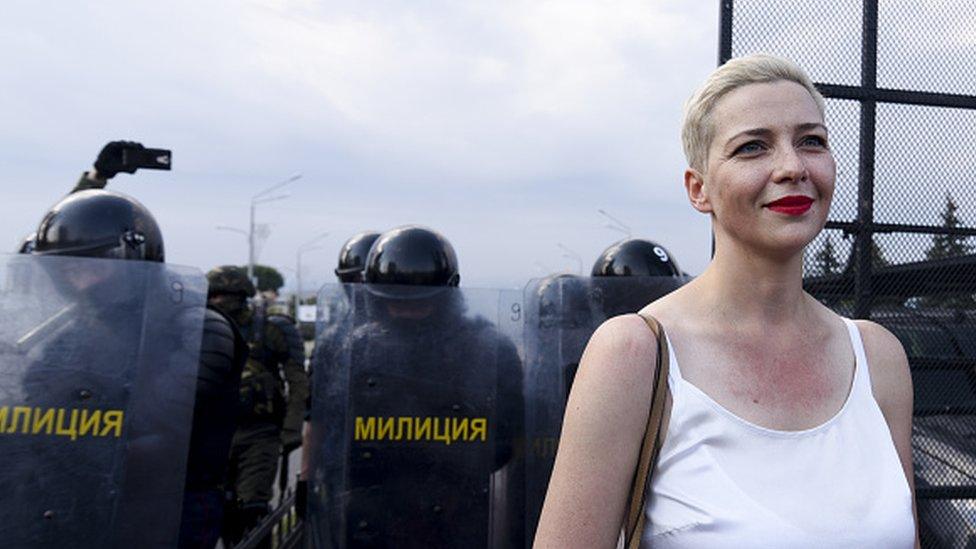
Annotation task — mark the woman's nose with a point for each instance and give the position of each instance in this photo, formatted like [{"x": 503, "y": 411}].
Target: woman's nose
[{"x": 789, "y": 166}]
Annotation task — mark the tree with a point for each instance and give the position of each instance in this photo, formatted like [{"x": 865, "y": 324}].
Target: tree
[
  {"x": 825, "y": 260},
  {"x": 877, "y": 256},
  {"x": 945, "y": 246},
  {"x": 268, "y": 278},
  {"x": 949, "y": 245}
]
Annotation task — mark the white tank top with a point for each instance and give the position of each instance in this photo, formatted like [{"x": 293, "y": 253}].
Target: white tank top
[{"x": 722, "y": 481}]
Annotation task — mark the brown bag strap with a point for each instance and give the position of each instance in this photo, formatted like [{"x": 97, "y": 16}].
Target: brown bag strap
[{"x": 653, "y": 439}]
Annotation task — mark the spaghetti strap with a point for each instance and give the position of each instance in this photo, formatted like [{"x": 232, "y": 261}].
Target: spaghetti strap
[{"x": 861, "y": 374}]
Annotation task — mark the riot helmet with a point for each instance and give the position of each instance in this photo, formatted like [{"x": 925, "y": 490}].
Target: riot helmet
[
  {"x": 566, "y": 301},
  {"x": 27, "y": 244},
  {"x": 635, "y": 257},
  {"x": 100, "y": 223},
  {"x": 352, "y": 256},
  {"x": 228, "y": 289},
  {"x": 416, "y": 258},
  {"x": 229, "y": 280}
]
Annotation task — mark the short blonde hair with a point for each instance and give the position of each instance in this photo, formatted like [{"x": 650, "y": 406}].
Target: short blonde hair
[{"x": 697, "y": 130}]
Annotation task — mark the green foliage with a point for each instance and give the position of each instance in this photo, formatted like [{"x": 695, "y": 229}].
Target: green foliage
[
  {"x": 945, "y": 246},
  {"x": 877, "y": 256},
  {"x": 825, "y": 260},
  {"x": 268, "y": 278},
  {"x": 949, "y": 245}
]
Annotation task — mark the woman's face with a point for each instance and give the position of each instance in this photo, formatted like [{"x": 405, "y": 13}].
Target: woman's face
[{"x": 770, "y": 174}]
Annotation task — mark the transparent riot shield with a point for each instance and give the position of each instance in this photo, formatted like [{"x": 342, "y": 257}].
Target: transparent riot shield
[
  {"x": 98, "y": 363},
  {"x": 417, "y": 417},
  {"x": 561, "y": 313}
]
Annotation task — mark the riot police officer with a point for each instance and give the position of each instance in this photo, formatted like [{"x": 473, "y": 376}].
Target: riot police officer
[
  {"x": 270, "y": 418},
  {"x": 96, "y": 223},
  {"x": 563, "y": 312},
  {"x": 632, "y": 273},
  {"x": 415, "y": 361},
  {"x": 349, "y": 270},
  {"x": 352, "y": 256}
]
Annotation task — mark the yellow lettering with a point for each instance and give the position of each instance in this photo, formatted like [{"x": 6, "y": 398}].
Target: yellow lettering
[
  {"x": 40, "y": 420},
  {"x": 110, "y": 419},
  {"x": 479, "y": 425},
  {"x": 386, "y": 429},
  {"x": 421, "y": 429},
  {"x": 3, "y": 418},
  {"x": 89, "y": 422},
  {"x": 445, "y": 435},
  {"x": 72, "y": 430},
  {"x": 25, "y": 414},
  {"x": 365, "y": 430},
  {"x": 460, "y": 430},
  {"x": 400, "y": 428}
]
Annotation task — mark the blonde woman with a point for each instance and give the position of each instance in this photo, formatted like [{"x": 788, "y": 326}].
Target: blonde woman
[{"x": 787, "y": 425}]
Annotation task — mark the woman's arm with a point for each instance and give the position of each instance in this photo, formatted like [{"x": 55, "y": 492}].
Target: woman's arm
[
  {"x": 891, "y": 382},
  {"x": 606, "y": 415}
]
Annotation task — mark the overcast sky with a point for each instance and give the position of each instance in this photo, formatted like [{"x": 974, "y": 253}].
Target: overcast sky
[{"x": 503, "y": 125}]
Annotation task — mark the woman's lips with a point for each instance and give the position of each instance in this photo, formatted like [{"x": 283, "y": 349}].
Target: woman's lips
[{"x": 791, "y": 205}]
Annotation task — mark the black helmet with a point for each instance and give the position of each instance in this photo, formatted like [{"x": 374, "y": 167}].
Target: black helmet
[
  {"x": 100, "y": 223},
  {"x": 412, "y": 256},
  {"x": 229, "y": 280},
  {"x": 635, "y": 257},
  {"x": 352, "y": 256},
  {"x": 566, "y": 301},
  {"x": 27, "y": 244}
]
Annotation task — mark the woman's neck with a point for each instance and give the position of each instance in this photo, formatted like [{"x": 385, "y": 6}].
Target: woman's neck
[{"x": 743, "y": 286}]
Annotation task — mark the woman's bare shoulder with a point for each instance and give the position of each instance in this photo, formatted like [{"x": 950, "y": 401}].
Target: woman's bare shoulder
[
  {"x": 605, "y": 416},
  {"x": 891, "y": 379},
  {"x": 618, "y": 362}
]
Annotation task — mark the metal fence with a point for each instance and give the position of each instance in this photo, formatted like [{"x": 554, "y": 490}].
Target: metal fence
[{"x": 901, "y": 107}]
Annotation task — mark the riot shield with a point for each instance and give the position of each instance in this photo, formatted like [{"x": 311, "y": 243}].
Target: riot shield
[
  {"x": 417, "y": 414},
  {"x": 561, "y": 313},
  {"x": 98, "y": 363}
]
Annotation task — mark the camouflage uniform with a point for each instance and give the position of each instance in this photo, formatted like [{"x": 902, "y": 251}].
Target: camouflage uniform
[{"x": 270, "y": 416}]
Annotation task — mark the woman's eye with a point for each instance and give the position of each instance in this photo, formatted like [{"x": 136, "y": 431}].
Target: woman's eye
[
  {"x": 749, "y": 148},
  {"x": 813, "y": 141}
]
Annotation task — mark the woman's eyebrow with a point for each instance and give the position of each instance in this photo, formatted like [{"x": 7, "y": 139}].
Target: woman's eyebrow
[
  {"x": 753, "y": 132},
  {"x": 766, "y": 132},
  {"x": 811, "y": 126}
]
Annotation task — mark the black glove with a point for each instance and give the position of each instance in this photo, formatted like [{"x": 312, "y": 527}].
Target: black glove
[
  {"x": 290, "y": 440},
  {"x": 112, "y": 158},
  {"x": 301, "y": 498}
]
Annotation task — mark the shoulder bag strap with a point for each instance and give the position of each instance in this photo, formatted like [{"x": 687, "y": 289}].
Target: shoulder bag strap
[{"x": 653, "y": 439}]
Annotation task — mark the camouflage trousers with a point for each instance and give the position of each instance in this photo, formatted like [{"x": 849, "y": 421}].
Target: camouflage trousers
[{"x": 254, "y": 456}]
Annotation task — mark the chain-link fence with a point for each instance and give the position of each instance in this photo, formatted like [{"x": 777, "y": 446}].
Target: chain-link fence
[{"x": 898, "y": 248}]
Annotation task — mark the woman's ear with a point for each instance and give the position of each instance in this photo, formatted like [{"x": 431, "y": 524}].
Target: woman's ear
[{"x": 695, "y": 186}]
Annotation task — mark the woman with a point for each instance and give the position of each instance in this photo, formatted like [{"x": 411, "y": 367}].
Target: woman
[{"x": 788, "y": 426}]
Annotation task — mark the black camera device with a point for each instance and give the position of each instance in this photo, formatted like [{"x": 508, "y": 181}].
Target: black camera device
[{"x": 152, "y": 159}]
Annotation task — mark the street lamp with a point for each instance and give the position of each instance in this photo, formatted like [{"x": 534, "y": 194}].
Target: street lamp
[
  {"x": 262, "y": 198},
  {"x": 306, "y": 247}
]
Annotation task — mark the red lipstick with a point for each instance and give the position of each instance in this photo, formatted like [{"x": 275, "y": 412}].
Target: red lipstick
[{"x": 791, "y": 205}]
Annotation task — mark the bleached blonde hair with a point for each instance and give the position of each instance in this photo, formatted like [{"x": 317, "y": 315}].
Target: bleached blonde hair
[{"x": 697, "y": 130}]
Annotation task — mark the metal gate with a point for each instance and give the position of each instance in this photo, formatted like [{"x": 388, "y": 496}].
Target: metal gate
[{"x": 897, "y": 248}]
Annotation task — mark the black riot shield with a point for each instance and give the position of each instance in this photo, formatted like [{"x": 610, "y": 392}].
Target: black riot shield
[
  {"x": 417, "y": 417},
  {"x": 561, "y": 313},
  {"x": 98, "y": 363}
]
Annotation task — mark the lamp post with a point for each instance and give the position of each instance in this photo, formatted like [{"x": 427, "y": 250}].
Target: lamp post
[
  {"x": 306, "y": 247},
  {"x": 262, "y": 198}
]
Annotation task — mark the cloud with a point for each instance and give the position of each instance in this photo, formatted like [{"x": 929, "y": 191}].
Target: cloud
[{"x": 503, "y": 125}]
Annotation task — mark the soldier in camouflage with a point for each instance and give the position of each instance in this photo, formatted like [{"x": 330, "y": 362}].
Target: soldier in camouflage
[{"x": 270, "y": 417}]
